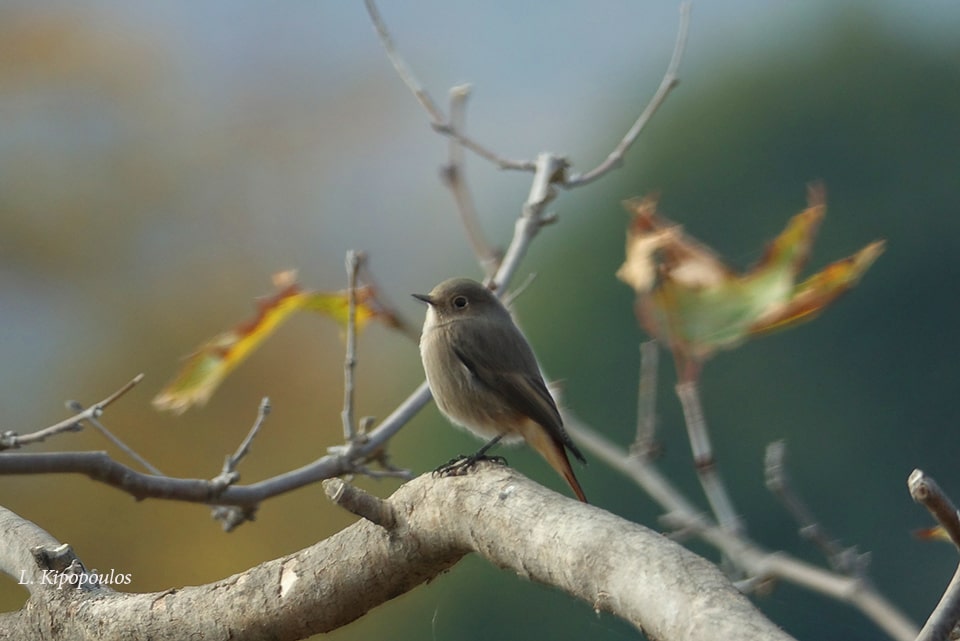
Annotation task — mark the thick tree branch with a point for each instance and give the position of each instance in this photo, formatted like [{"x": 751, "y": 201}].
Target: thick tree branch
[
  {"x": 612, "y": 564},
  {"x": 748, "y": 556}
]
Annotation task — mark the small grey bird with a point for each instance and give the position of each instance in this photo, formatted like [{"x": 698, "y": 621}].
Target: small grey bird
[{"x": 484, "y": 376}]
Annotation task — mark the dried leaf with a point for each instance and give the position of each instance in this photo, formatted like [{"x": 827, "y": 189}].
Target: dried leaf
[
  {"x": 691, "y": 300},
  {"x": 935, "y": 533},
  {"x": 206, "y": 368},
  {"x": 658, "y": 246}
]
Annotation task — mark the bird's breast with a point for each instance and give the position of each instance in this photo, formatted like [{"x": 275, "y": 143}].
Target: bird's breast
[{"x": 459, "y": 395}]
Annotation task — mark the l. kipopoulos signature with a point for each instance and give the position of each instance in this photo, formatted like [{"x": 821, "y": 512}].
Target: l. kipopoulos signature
[{"x": 75, "y": 579}]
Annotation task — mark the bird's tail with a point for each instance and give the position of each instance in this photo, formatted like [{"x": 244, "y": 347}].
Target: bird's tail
[{"x": 553, "y": 451}]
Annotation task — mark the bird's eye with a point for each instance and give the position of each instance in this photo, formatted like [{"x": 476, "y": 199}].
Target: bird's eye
[{"x": 459, "y": 302}]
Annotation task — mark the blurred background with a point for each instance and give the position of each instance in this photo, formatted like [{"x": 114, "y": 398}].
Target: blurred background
[{"x": 159, "y": 161}]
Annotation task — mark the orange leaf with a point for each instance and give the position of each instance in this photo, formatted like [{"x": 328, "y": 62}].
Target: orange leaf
[
  {"x": 935, "y": 533},
  {"x": 813, "y": 295}
]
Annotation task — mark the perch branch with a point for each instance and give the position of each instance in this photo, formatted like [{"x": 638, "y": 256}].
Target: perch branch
[{"x": 616, "y": 566}]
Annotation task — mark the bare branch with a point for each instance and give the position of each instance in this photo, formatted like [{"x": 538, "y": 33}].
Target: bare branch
[
  {"x": 848, "y": 560},
  {"x": 452, "y": 175},
  {"x": 437, "y": 119},
  {"x": 405, "y": 73},
  {"x": 754, "y": 560},
  {"x": 100, "y": 467},
  {"x": 232, "y": 516},
  {"x": 509, "y": 297},
  {"x": 703, "y": 457},
  {"x": 454, "y": 130},
  {"x": 669, "y": 81},
  {"x": 626, "y": 569},
  {"x": 228, "y": 474},
  {"x": 76, "y": 406},
  {"x": 926, "y": 492},
  {"x": 645, "y": 444},
  {"x": 550, "y": 169},
  {"x": 353, "y": 261},
  {"x": 946, "y": 615},
  {"x": 12, "y": 440},
  {"x": 232, "y": 461}
]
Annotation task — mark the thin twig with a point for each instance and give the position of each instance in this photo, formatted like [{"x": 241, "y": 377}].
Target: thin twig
[
  {"x": 645, "y": 444},
  {"x": 437, "y": 119},
  {"x": 12, "y": 440},
  {"x": 76, "y": 406},
  {"x": 669, "y": 81},
  {"x": 405, "y": 73},
  {"x": 228, "y": 474},
  {"x": 509, "y": 297},
  {"x": 703, "y": 458},
  {"x": 453, "y": 177},
  {"x": 946, "y": 615},
  {"x": 353, "y": 262},
  {"x": 846, "y": 560}
]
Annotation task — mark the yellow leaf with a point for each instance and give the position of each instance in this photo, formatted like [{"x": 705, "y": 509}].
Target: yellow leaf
[
  {"x": 336, "y": 305},
  {"x": 206, "y": 368}
]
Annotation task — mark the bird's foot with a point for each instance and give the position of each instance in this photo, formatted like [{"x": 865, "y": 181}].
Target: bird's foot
[{"x": 461, "y": 465}]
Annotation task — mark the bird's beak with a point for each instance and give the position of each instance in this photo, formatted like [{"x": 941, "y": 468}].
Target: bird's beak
[{"x": 424, "y": 297}]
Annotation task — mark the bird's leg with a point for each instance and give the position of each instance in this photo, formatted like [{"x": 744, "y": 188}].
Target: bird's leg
[{"x": 461, "y": 464}]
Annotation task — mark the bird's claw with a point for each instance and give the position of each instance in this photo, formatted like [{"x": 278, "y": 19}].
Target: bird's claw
[{"x": 461, "y": 465}]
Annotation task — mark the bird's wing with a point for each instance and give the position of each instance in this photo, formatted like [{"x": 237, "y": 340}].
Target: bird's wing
[{"x": 525, "y": 393}]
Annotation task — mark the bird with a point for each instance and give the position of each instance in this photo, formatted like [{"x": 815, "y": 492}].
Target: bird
[{"x": 484, "y": 376}]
